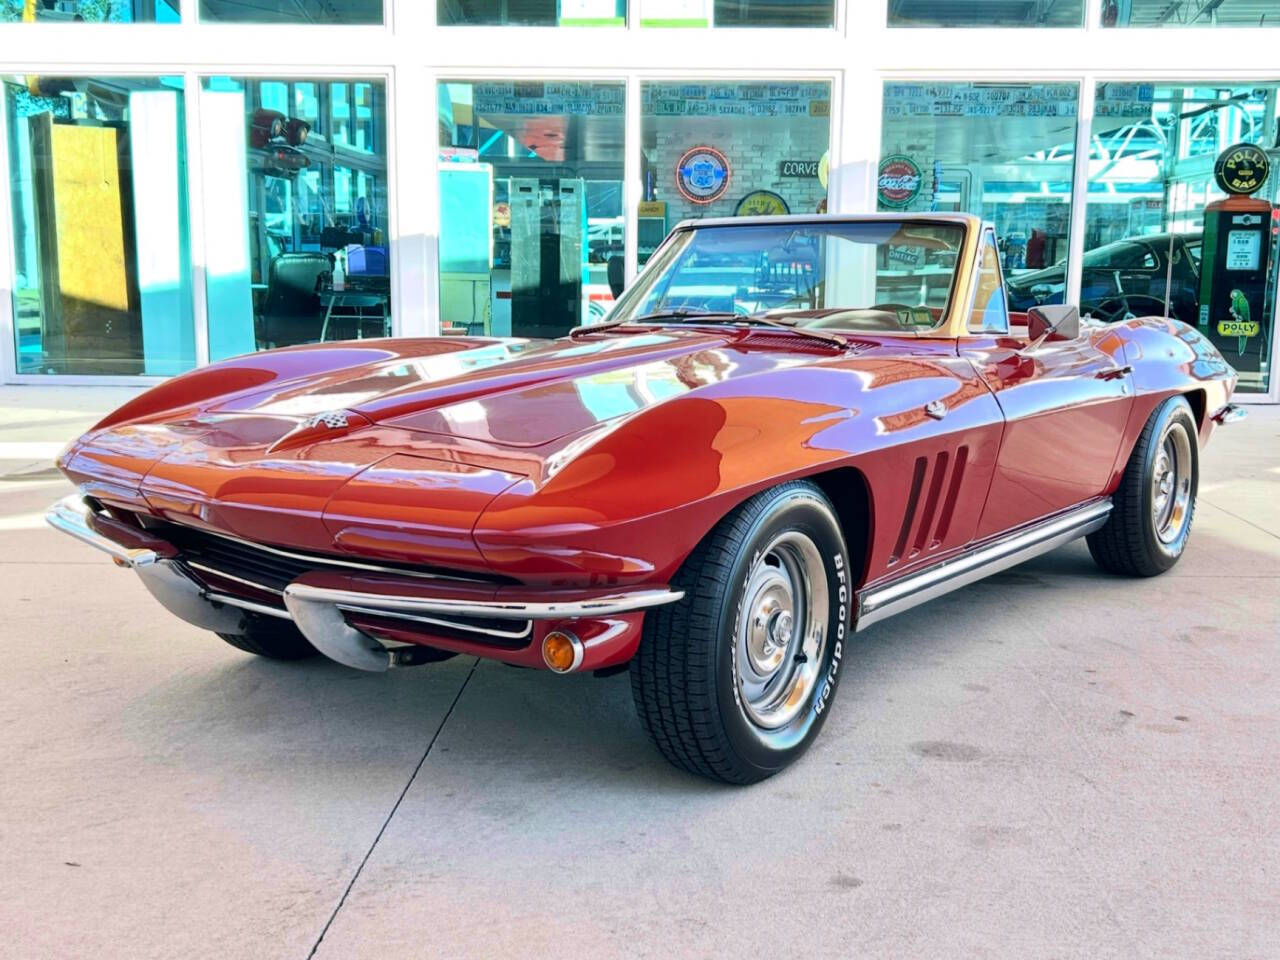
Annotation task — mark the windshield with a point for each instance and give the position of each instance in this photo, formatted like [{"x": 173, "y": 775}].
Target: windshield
[{"x": 875, "y": 275}]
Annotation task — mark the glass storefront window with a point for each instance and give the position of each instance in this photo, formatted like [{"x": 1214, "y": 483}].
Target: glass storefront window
[
  {"x": 530, "y": 204},
  {"x": 339, "y": 114},
  {"x": 90, "y": 11},
  {"x": 352, "y": 111},
  {"x": 1160, "y": 234},
  {"x": 306, "y": 102},
  {"x": 721, "y": 149},
  {"x": 983, "y": 13},
  {"x": 349, "y": 12},
  {"x": 1191, "y": 13},
  {"x": 737, "y": 13},
  {"x": 296, "y": 216},
  {"x": 97, "y": 182},
  {"x": 774, "y": 13},
  {"x": 1004, "y": 152},
  {"x": 532, "y": 13}
]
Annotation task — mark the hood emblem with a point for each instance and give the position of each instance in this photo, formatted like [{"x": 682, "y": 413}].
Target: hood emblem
[
  {"x": 334, "y": 420},
  {"x": 304, "y": 432}
]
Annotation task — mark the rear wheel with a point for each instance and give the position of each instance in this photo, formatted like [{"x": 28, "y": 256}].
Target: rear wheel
[
  {"x": 735, "y": 680},
  {"x": 276, "y": 639},
  {"x": 1155, "y": 503}
]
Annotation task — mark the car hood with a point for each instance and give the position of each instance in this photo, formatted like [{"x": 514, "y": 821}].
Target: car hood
[
  {"x": 396, "y": 448},
  {"x": 521, "y": 393}
]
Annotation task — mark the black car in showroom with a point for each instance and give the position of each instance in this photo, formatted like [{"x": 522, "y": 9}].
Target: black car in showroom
[{"x": 1125, "y": 278}]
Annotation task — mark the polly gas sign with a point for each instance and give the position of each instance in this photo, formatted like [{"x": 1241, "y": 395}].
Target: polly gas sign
[{"x": 899, "y": 181}]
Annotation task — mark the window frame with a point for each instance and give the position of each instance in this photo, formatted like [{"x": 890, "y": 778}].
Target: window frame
[{"x": 987, "y": 241}]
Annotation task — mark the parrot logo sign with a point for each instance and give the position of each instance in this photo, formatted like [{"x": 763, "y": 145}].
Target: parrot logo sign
[{"x": 1240, "y": 325}]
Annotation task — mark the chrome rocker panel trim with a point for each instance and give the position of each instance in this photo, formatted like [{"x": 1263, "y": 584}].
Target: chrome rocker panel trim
[{"x": 894, "y": 597}]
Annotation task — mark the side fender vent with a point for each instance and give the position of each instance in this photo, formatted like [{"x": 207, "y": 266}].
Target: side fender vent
[
  {"x": 953, "y": 494},
  {"x": 944, "y": 480},
  {"x": 931, "y": 503},
  {"x": 913, "y": 501}
]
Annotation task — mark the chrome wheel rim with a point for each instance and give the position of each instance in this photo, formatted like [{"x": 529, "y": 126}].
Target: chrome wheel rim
[
  {"x": 782, "y": 633},
  {"x": 1171, "y": 484}
]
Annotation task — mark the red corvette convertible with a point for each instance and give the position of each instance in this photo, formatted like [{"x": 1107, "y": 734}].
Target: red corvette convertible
[{"x": 788, "y": 429}]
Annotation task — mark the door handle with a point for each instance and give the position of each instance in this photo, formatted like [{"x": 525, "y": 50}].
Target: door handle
[{"x": 1115, "y": 373}]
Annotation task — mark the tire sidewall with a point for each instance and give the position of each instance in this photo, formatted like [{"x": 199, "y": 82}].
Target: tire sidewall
[
  {"x": 1165, "y": 555},
  {"x": 805, "y": 511}
]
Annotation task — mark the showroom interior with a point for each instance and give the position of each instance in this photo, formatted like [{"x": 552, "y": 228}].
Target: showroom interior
[{"x": 290, "y": 171}]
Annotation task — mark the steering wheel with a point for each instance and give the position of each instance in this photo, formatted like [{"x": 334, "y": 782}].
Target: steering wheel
[{"x": 1121, "y": 307}]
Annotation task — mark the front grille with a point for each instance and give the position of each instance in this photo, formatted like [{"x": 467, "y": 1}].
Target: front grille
[
  {"x": 272, "y": 571},
  {"x": 238, "y": 569},
  {"x": 277, "y": 567}
]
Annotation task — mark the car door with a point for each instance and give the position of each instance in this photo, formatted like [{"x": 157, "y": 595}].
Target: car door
[{"x": 1065, "y": 404}]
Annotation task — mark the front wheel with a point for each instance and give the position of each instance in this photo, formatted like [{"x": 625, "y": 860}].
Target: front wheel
[
  {"x": 735, "y": 680},
  {"x": 1152, "y": 508},
  {"x": 275, "y": 639}
]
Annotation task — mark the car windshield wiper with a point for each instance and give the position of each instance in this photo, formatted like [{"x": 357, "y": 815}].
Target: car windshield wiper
[
  {"x": 682, "y": 313},
  {"x": 736, "y": 318}
]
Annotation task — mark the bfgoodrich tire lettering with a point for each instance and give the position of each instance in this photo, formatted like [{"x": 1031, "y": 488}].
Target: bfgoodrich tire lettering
[
  {"x": 1154, "y": 505},
  {"x": 735, "y": 681}
]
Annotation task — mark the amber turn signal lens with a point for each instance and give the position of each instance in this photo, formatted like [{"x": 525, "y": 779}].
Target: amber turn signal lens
[{"x": 561, "y": 651}]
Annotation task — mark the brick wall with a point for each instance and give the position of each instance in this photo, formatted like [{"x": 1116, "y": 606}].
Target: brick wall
[{"x": 752, "y": 145}]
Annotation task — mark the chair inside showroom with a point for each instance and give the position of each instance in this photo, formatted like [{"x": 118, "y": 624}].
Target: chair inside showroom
[{"x": 293, "y": 312}]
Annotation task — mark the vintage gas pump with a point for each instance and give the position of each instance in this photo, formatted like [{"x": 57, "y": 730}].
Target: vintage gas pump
[{"x": 1235, "y": 265}]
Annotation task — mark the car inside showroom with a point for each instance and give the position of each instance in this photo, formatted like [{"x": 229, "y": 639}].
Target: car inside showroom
[{"x": 639, "y": 478}]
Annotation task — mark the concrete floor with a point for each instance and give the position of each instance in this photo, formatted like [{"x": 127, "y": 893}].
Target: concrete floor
[{"x": 1053, "y": 763}]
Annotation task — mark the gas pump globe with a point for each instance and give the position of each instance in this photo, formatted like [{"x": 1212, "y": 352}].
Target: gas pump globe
[{"x": 1236, "y": 264}]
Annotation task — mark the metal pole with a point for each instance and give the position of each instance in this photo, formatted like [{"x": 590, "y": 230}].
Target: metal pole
[{"x": 1080, "y": 188}]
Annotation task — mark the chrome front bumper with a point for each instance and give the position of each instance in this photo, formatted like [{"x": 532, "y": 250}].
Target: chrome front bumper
[
  {"x": 319, "y": 608},
  {"x": 1231, "y": 413},
  {"x": 71, "y": 516}
]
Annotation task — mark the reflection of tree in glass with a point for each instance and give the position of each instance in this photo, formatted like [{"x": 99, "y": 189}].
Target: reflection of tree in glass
[{"x": 93, "y": 11}]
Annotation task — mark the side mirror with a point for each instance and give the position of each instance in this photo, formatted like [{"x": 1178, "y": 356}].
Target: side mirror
[
  {"x": 617, "y": 269},
  {"x": 1060, "y": 321}
]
